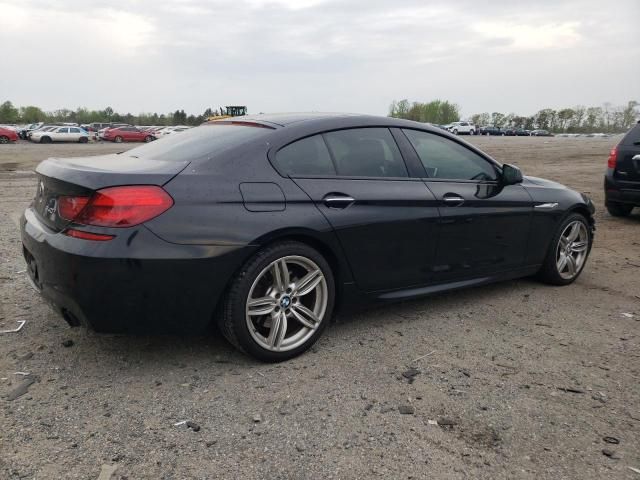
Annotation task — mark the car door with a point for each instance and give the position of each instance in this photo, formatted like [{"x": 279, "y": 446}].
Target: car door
[
  {"x": 484, "y": 224},
  {"x": 61, "y": 135},
  {"x": 74, "y": 134},
  {"x": 385, "y": 220}
]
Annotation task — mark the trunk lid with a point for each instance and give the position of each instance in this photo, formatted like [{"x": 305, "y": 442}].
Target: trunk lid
[{"x": 84, "y": 175}]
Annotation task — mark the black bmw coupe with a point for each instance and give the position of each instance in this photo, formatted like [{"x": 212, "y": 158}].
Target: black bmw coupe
[{"x": 267, "y": 224}]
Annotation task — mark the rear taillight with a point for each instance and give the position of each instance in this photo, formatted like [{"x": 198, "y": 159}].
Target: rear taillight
[
  {"x": 116, "y": 206},
  {"x": 613, "y": 158}
]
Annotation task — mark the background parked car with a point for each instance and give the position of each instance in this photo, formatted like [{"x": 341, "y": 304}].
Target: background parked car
[
  {"x": 622, "y": 180},
  {"x": 491, "y": 131},
  {"x": 127, "y": 134},
  {"x": 107, "y": 126},
  {"x": 173, "y": 129},
  {"x": 8, "y": 135},
  {"x": 458, "y": 128},
  {"x": 24, "y": 132},
  {"x": 61, "y": 134},
  {"x": 541, "y": 133},
  {"x": 513, "y": 132}
]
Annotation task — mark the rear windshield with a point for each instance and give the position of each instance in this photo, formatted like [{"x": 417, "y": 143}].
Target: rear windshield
[
  {"x": 199, "y": 142},
  {"x": 633, "y": 137}
]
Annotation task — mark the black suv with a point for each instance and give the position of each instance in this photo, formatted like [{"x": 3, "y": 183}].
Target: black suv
[{"x": 622, "y": 180}]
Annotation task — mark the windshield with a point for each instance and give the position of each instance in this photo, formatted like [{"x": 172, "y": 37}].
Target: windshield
[{"x": 199, "y": 142}]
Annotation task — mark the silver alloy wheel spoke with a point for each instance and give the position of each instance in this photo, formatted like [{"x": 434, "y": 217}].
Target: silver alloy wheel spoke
[
  {"x": 280, "y": 275},
  {"x": 261, "y": 306},
  {"x": 278, "y": 330},
  {"x": 307, "y": 283},
  {"x": 563, "y": 262},
  {"x": 281, "y": 313},
  {"x": 574, "y": 232},
  {"x": 571, "y": 264},
  {"x": 579, "y": 246},
  {"x": 305, "y": 316}
]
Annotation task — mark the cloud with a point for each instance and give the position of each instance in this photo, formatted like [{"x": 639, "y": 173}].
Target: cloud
[
  {"x": 531, "y": 36},
  {"x": 339, "y": 55}
]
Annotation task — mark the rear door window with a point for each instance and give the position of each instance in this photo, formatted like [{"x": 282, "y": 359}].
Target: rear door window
[
  {"x": 366, "y": 152},
  {"x": 308, "y": 156}
]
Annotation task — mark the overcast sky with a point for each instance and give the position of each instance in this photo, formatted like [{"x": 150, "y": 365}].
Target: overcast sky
[{"x": 326, "y": 55}]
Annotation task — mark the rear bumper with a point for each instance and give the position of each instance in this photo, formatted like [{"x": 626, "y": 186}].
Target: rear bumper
[
  {"x": 134, "y": 283},
  {"x": 616, "y": 191}
]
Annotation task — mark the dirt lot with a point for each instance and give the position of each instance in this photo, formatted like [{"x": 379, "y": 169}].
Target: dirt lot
[{"x": 525, "y": 380}]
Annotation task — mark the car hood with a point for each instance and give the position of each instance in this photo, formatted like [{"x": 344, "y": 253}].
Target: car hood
[{"x": 541, "y": 182}]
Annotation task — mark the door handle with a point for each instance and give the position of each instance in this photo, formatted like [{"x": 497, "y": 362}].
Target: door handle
[
  {"x": 338, "y": 201},
  {"x": 452, "y": 200}
]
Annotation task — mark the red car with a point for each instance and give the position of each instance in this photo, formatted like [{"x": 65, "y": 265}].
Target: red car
[
  {"x": 127, "y": 134},
  {"x": 7, "y": 135}
]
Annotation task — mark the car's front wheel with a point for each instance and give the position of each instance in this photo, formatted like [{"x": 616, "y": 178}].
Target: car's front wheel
[
  {"x": 118, "y": 139},
  {"x": 619, "y": 209},
  {"x": 279, "y": 303},
  {"x": 568, "y": 251},
  {"x": 4, "y": 139}
]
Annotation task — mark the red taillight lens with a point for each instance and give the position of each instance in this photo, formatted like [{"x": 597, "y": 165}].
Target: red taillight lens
[
  {"x": 71, "y": 232},
  {"x": 124, "y": 206},
  {"x": 70, "y": 207},
  {"x": 613, "y": 158}
]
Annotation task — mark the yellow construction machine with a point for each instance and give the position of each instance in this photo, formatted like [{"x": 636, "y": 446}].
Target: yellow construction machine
[{"x": 228, "y": 112}]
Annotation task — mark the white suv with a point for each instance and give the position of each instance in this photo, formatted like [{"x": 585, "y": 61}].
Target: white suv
[{"x": 462, "y": 127}]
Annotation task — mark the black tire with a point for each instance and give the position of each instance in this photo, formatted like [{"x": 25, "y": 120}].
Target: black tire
[
  {"x": 83, "y": 140},
  {"x": 148, "y": 138},
  {"x": 232, "y": 320},
  {"x": 45, "y": 140},
  {"x": 118, "y": 139},
  {"x": 4, "y": 139},
  {"x": 548, "y": 273},
  {"x": 619, "y": 209}
]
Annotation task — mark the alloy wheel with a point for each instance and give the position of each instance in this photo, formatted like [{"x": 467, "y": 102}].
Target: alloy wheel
[
  {"x": 286, "y": 303},
  {"x": 571, "y": 252}
]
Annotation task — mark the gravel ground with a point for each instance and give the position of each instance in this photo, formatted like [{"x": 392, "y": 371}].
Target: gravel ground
[{"x": 524, "y": 380}]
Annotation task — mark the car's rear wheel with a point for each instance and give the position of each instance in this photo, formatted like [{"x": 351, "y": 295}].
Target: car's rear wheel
[
  {"x": 619, "y": 209},
  {"x": 4, "y": 139},
  {"x": 118, "y": 139},
  {"x": 455, "y": 132},
  {"x": 568, "y": 251},
  {"x": 279, "y": 303}
]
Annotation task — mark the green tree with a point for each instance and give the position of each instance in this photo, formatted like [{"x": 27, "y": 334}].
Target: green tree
[
  {"x": 9, "y": 113},
  {"x": 32, "y": 114}
]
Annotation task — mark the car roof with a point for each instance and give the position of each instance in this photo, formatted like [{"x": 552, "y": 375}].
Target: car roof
[{"x": 311, "y": 120}]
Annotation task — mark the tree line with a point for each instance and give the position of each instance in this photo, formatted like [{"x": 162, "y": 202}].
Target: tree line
[
  {"x": 580, "y": 119},
  {"x": 10, "y": 114}
]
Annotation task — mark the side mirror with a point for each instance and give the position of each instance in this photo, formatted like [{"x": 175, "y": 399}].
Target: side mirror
[{"x": 511, "y": 174}]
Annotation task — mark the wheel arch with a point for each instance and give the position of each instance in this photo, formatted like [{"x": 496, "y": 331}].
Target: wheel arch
[{"x": 582, "y": 209}]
